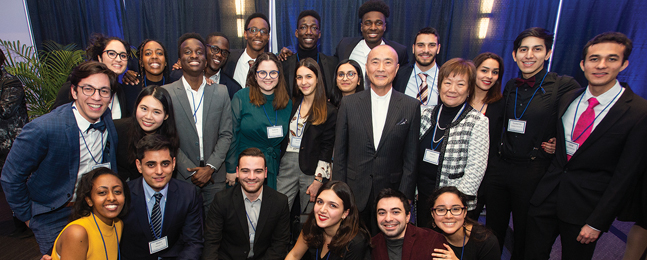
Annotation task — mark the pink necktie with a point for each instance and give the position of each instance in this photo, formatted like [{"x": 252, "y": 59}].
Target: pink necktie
[
  {"x": 423, "y": 90},
  {"x": 584, "y": 124}
]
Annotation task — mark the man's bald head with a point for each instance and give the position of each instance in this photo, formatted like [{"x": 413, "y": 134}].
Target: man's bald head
[{"x": 381, "y": 67}]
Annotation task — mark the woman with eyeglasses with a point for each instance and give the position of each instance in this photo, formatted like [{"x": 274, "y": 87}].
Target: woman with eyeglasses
[
  {"x": 113, "y": 52},
  {"x": 349, "y": 80},
  {"x": 468, "y": 240},
  {"x": 261, "y": 116}
]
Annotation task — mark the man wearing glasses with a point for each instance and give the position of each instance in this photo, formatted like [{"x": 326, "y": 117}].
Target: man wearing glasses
[
  {"x": 217, "y": 54},
  {"x": 52, "y": 152},
  {"x": 257, "y": 35}
]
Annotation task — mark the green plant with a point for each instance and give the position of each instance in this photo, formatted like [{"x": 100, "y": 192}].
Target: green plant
[{"x": 41, "y": 72}]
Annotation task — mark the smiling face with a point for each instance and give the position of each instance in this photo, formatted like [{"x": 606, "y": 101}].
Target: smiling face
[
  {"x": 193, "y": 57},
  {"x": 267, "y": 84},
  {"x": 307, "y": 32},
  {"x": 329, "y": 211},
  {"x": 157, "y": 168},
  {"x": 425, "y": 50},
  {"x": 346, "y": 84},
  {"x": 150, "y": 114},
  {"x": 306, "y": 81},
  {"x": 603, "y": 63},
  {"x": 251, "y": 173},
  {"x": 106, "y": 198},
  {"x": 216, "y": 61},
  {"x": 117, "y": 65},
  {"x": 92, "y": 107},
  {"x": 487, "y": 74},
  {"x": 449, "y": 223},
  {"x": 531, "y": 55},
  {"x": 257, "y": 41},
  {"x": 153, "y": 59},
  {"x": 454, "y": 90},
  {"x": 373, "y": 27},
  {"x": 381, "y": 67},
  {"x": 391, "y": 217}
]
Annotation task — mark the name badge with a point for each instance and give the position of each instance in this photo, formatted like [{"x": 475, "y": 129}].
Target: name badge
[
  {"x": 571, "y": 147},
  {"x": 295, "y": 142},
  {"x": 158, "y": 245},
  {"x": 431, "y": 156},
  {"x": 274, "y": 131},
  {"x": 517, "y": 126},
  {"x": 107, "y": 165}
]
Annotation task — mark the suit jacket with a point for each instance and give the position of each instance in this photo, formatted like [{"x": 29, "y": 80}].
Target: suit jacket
[
  {"x": 591, "y": 185},
  {"x": 327, "y": 66},
  {"x": 232, "y": 60},
  {"x": 402, "y": 78},
  {"x": 127, "y": 169},
  {"x": 393, "y": 163},
  {"x": 64, "y": 97},
  {"x": 347, "y": 44},
  {"x": 227, "y": 234},
  {"x": 216, "y": 128},
  {"x": 419, "y": 243},
  {"x": 42, "y": 167},
  {"x": 182, "y": 223},
  {"x": 231, "y": 84},
  {"x": 317, "y": 140}
]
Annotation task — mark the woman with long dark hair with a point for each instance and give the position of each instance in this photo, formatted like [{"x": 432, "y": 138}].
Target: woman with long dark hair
[
  {"x": 349, "y": 80},
  {"x": 152, "y": 61}
]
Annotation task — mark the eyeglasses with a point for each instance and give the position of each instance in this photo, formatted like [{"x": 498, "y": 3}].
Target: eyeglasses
[
  {"x": 456, "y": 211},
  {"x": 215, "y": 50},
  {"x": 89, "y": 91},
  {"x": 349, "y": 75},
  {"x": 263, "y": 74},
  {"x": 369, "y": 23},
  {"x": 304, "y": 28},
  {"x": 113, "y": 54},
  {"x": 254, "y": 30}
]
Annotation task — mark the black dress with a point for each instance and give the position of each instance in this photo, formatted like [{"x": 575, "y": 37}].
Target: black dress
[
  {"x": 482, "y": 245},
  {"x": 358, "y": 249}
]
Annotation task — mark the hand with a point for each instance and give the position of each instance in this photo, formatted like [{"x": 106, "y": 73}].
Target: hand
[
  {"x": 231, "y": 179},
  {"x": 285, "y": 53},
  {"x": 27, "y": 223},
  {"x": 202, "y": 175},
  {"x": 210, "y": 81},
  {"x": 177, "y": 65},
  {"x": 587, "y": 235},
  {"x": 46, "y": 257},
  {"x": 549, "y": 147},
  {"x": 313, "y": 189},
  {"x": 444, "y": 254},
  {"x": 131, "y": 78}
]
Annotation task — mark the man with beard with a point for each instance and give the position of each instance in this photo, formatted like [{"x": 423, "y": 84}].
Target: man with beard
[
  {"x": 257, "y": 35},
  {"x": 399, "y": 239},
  {"x": 250, "y": 220},
  {"x": 419, "y": 80}
]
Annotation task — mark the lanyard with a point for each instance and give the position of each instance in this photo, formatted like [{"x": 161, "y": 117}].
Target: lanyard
[
  {"x": 304, "y": 123},
  {"x": 195, "y": 111},
  {"x": 86, "y": 144},
  {"x": 268, "y": 117},
  {"x": 161, "y": 221},
  {"x": 250, "y": 222},
  {"x": 433, "y": 138},
  {"x": 418, "y": 85},
  {"x": 516, "y": 94},
  {"x": 163, "y": 81},
  {"x": 299, "y": 59},
  {"x": 596, "y": 117},
  {"x": 318, "y": 257},
  {"x": 464, "y": 235},
  {"x": 104, "y": 241}
]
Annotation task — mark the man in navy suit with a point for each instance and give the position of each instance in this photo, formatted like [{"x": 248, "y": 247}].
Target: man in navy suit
[
  {"x": 165, "y": 215},
  {"x": 56, "y": 149}
]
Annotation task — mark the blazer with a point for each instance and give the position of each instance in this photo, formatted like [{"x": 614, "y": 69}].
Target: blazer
[
  {"x": 402, "y": 78},
  {"x": 327, "y": 66},
  {"x": 181, "y": 224},
  {"x": 347, "y": 44},
  {"x": 64, "y": 97},
  {"x": 227, "y": 234},
  {"x": 232, "y": 60},
  {"x": 41, "y": 169},
  {"x": 317, "y": 140},
  {"x": 393, "y": 164},
  {"x": 216, "y": 128},
  {"x": 419, "y": 243},
  {"x": 231, "y": 84},
  {"x": 591, "y": 185}
]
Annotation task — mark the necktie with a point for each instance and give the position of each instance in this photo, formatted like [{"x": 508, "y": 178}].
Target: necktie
[
  {"x": 101, "y": 126},
  {"x": 530, "y": 81},
  {"x": 584, "y": 124},
  {"x": 156, "y": 217},
  {"x": 250, "y": 62},
  {"x": 423, "y": 90}
]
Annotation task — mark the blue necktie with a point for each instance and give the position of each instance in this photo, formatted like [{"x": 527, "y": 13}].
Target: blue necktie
[
  {"x": 156, "y": 217},
  {"x": 101, "y": 126}
]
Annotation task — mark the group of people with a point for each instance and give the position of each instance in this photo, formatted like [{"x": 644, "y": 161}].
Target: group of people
[{"x": 190, "y": 168}]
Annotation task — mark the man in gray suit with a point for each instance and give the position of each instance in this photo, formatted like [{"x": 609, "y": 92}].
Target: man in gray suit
[
  {"x": 203, "y": 121},
  {"x": 377, "y": 136}
]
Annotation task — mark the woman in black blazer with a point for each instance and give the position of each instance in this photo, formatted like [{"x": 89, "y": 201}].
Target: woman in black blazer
[{"x": 306, "y": 154}]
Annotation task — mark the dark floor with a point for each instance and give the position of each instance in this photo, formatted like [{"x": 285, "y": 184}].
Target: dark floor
[{"x": 14, "y": 248}]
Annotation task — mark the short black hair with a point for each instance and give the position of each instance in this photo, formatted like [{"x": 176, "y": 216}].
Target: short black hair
[
  {"x": 187, "y": 36},
  {"x": 257, "y": 15},
  {"x": 312, "y": 13},
  {"x": 214, "y": 34},
  {"x": 374, "y": 5},
  {"x": 616, "y": 37},
  {"x": 427, "y": 30},
  {"x": 89, "y": 68},
  {"x": 391, "y": 193},
  {"x": 538, "y": 32},
  {"x": 153, "y": 142}
]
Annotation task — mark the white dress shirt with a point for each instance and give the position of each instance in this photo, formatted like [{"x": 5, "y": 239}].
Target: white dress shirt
[
  {"x": 115, "y": 108},
  {"x": 413, "y": 86},
  {"x": 196, "y": 101},
  {"x": 91, "y": 145},
  {"x": 242, "y": 68},
  {"x": 379, "y": 110},
  {"x": 360, "y": 54}
]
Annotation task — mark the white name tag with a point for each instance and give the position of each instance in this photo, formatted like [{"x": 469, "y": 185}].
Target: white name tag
[
  {"x": 158, "y": 245},
  {"x": 431, "y": 156},
  {"x": 107, "y": 165},
  {"x": 517, "y": 126},
  {"x": 274, "y": 131},
  {"x": 295, "y": 142},
  {"x": 571, "y": 147}
]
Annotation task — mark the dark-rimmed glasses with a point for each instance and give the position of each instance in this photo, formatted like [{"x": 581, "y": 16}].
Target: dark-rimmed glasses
[
  {"x": 254, "y": 30},
  {"x": 456, "y": 211},
  {"x": 349, "y": 75},
  {"x": 89, "y": 91},
  {"x": 215, "y": 50},
  {"x": 263, "y": 74},
  {"x": 113, "y": 54}
]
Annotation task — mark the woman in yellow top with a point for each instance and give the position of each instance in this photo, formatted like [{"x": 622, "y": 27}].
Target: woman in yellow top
[{"x": 101, "y": 200}]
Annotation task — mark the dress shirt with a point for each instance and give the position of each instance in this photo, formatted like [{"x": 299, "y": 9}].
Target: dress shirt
[
  {"x": 196, "y": 98},
  {"x": 252, "y": 209},
  {"x": 216, "y": 77},
  {"x": 242, "y": 68},
  {"x": 150, "y": 199},
  {"x": 115, "y": 108},
  {"x": 88, "y": 140},
  {"x": 360, "y": 54},
  {"x": 413, "y": 87},
  {"x": 379, "y": 110}
]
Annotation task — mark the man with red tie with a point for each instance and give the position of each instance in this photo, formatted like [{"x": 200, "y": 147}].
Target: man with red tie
[{"x": 601, "y": 144}]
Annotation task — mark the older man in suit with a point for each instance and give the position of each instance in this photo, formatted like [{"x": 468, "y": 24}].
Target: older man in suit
[
  {"x": 53, "y": 151},
  {"x": 377, "y": 136},
  {"x": 203, "y": 120},
  {"x": 601, "y": 144}
]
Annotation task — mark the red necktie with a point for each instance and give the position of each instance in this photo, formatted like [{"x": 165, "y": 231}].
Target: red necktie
[{"x": 584, "y": 124}]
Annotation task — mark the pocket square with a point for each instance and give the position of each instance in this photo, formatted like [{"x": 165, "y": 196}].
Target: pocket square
[{"x": 402, "y": 122}]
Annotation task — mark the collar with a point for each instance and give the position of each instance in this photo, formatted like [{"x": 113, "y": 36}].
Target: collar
[
  {"x": 187, "y": 87},
  {"x": 303, "y": 53},
  {"x": 429, "y": 72},
  {"x": 216, "y": 77},
  {"x": 363, "y": 42},
  {"x": 149, "y": 192},
  {"x": 81, "y": 122},
  {"x": 606, "y": 97},
  {"x": 245, "y": 57},
  {"x": 538, "y": 77},
  {"x": 374, "y": 95},
  {"x": 260, "y": 196}
]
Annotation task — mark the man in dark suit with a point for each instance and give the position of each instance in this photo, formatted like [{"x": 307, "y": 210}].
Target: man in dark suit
[
  {"x": 250, "y": 220},
  {"x": 165, "y": 215},
  {"x": 377, "y": 136},
  {"x": 257, "y": 35},
  {"x": 601, "y": 144},
  {"x": 202, "y": 119},
  {"x": 55, "y": 150},
  {"x": 420, "y": 79}
]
